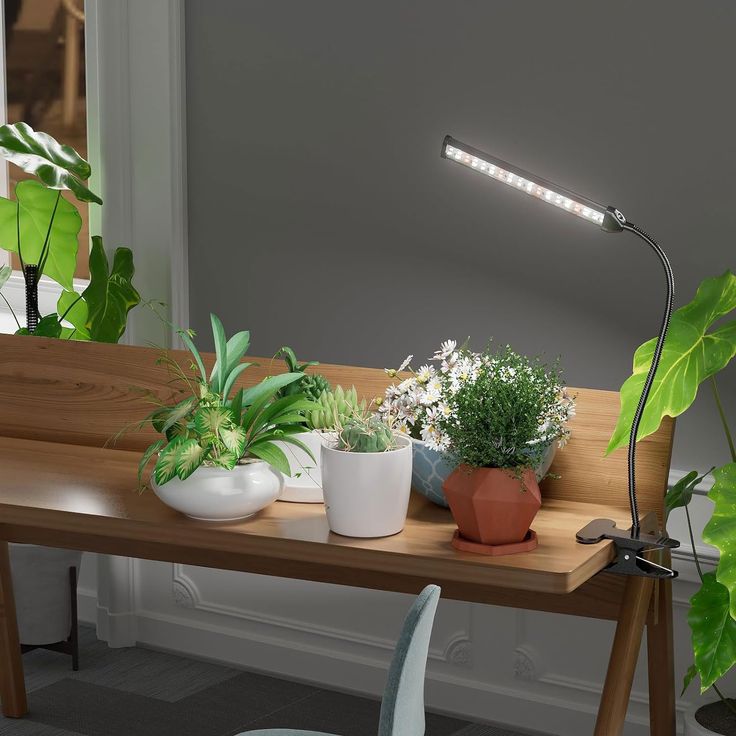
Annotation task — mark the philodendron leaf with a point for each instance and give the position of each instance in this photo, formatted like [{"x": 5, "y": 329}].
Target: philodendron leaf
[
  {"x": 713, "y": 630},
  {"x": 56, "y": 165},
  {"x": 720, "y": 531},
  {"x": 72, "y": 308},
  {"x": 691, "y": 354},
  {"x": 34, "y": 206},
  {"x": 48, "y": 326},
  {"x": 110, "y": 294},
  {"x": 681, "y": 493},
  {"x": 690, "y": 675}
]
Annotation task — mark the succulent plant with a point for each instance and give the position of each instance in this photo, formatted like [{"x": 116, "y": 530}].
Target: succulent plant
[
  {"x": 363, "y": 434},
  {"x": 311, "y": 384},
  {"x": 336, "y": 408}
]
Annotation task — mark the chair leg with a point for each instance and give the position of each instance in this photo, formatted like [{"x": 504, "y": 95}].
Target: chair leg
[
  {"x": 74, "y": 633},
  {"x": 661, "y": 663},
  {"x": 624, "y": 653}
]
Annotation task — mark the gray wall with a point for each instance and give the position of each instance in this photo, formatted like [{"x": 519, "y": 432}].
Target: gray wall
[{"x": 321, "y": 215}]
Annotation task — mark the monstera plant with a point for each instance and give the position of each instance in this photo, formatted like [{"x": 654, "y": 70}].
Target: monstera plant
[
  {"x": 42, "y": 228},
  {"x": 701, "y": 343}
]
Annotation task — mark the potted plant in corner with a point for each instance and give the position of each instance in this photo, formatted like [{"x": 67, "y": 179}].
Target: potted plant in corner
[
  {"x": 416, "y": 402},
  {"x": 42, "y": 228},
  {"x": 218, "y": 459},
  {"x": 699, "y": 345},
  {"x": 500, "y": 416},
  {"x": 366, "y": 477}
]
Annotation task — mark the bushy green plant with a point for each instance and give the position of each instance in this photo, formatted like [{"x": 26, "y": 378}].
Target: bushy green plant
[
  {"x": 311, "y": 384},
  {"x": 366, "y": 434},
  {"x": 334, "y": 408},
  {"x": 43, "y": 229},
  {"x": 215, "y": 426},
  {"x": 505, "y": 411},
  {"x": 698, "y": 346}
]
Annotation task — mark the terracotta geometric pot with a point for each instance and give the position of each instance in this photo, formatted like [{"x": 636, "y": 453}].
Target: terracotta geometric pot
[{"x": 491, "y": 506}]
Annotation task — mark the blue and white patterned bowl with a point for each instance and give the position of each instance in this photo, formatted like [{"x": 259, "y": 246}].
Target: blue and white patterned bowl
[{"x": 430, "y": 470}]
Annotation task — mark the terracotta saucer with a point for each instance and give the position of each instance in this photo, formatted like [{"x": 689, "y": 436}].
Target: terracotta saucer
[{"x": 527, "y": 544}]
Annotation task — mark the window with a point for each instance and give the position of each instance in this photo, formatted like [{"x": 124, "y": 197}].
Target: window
[{"x": 45, "y": 85}]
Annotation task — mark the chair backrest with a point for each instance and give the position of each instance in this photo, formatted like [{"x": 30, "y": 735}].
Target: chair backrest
[{"x": 402, "y": 709}]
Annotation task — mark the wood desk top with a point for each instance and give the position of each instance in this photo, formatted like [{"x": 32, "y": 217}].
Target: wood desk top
[{"x": 85, "y": 498}]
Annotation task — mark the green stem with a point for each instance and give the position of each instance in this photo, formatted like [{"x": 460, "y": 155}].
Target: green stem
[
  {"x": 11, "y": 311},
  {"x": 692, "y": 544},
  {"x": 722, "y": 413},
  {"x": 725, "y": 700},
  {"x": 46, "y": 243}
]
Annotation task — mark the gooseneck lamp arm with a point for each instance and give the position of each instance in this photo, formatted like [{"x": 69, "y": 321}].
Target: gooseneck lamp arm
[{"x": 610, "y": 220}]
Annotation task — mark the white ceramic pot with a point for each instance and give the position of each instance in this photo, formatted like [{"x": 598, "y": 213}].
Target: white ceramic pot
[
  {"x": 367, "y": 493},
  {"x": 42, "y": 591},
  {"x": 216, "y": 494},
  {"x": 305, "y": 483},
  {"x": 691, "y": 725}
]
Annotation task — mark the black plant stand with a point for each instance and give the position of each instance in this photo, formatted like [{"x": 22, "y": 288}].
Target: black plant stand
[{"x": 71, "y": 645}]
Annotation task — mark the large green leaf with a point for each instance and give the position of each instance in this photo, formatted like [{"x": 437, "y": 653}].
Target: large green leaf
[
  {"x": 720, "y": 531},
  {"x": 189, "y": 457},
  {"x": 713, "y": 630},
  {"x": 272, "y": 454},
  {"x": 34, "y": 206},
  {"x": 72, "y": 308},
  {"x": 209, "y": 421},
  {"x": 110, "y": 294},
  {"x": 691, "y": 354},
  {"x": 681, "y": 493},
  {"x": 57, "y": 166},
  {"x": 165, "y": 468}
]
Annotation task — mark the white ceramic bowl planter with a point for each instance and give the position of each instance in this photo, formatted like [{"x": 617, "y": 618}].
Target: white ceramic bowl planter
[
  {"x": 305, "y": 485},
  {"x": 217, "y": 494},
  {"x": 367, "y": 493}
]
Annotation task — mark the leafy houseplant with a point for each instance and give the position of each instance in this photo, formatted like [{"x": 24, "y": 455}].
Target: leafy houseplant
[
  {"x": 419, "y": 405},
  {"x": 366, "y": 477},
  {"x": 498, "y": 422},
  {"x": 310, "y": 384},
  {"x": 227, "y": 438},
  {"x": 699, "y": 345},
  {"x": 42, "y": 227}
]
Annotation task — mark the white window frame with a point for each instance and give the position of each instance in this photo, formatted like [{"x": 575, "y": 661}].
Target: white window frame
[{"x": 137, "y": 148}]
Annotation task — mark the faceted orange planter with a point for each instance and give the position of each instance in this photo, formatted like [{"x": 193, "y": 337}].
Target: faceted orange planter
[{"x": 493, "y": 509}]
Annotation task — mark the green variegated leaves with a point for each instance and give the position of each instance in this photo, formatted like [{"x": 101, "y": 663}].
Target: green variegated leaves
[
  {"x": 41, "y": 218},
  {"x": 713, "y": 630},
  {"x": 56, "y": 165},
  {"x": 692, "y": 352}
]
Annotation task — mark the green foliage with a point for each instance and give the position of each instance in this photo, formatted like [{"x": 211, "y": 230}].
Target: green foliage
[
  {"x": 720, "y": 531},
  {"x": 494, "y": 420},
  {"x": 57, "y": 166},
  {"x": 713, "y": 630},
  {"x": 334, "y": 408},
  {"x": 366, "y": 434},
  {"x": 692, "y": 353},
  {"x": 214, "y": 426},
  {"x": 48, "y": 227},
  {"x": 699, "y": 345},
  {"x": 311, "y": 384}
]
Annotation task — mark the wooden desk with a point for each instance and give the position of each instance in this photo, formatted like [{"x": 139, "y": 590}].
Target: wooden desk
[{"x": 60, "y": 487}]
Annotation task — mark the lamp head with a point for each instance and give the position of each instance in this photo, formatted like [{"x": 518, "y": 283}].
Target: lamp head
[{"x": 608, "y": 219}]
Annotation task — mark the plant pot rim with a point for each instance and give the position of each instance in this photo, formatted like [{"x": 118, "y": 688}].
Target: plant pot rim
[{"x": 400, "y": 437}]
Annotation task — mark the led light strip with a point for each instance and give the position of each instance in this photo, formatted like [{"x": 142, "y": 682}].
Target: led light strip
[{"x": 502, "y": 172}]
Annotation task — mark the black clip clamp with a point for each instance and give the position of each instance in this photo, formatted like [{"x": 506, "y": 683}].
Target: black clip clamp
[{"x": 629, "y": 548}]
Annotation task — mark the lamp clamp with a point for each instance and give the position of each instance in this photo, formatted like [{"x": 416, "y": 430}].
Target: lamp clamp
[
  {"x": 629, "y": 548},
  {"x": 613, "y": 220}
]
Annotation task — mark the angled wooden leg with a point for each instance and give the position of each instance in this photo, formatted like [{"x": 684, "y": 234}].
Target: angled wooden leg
[
  {"x": 624, "y": 653},
  {"x": 12, "y": 683},
  {"x": 661, "y": 663}
]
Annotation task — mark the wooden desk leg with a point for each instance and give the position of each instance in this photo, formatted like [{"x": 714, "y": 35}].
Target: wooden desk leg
[
  {"x": 624, "y": 653},
  {"x": 12, "y": 683},
  {"x": 661, "y": 663}
]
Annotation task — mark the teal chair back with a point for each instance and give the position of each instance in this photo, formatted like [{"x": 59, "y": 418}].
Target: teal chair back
[{"x": 402, "y": 709}]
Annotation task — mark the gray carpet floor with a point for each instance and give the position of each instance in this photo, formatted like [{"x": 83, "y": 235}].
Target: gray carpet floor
[{"x": 139, "y": 692}]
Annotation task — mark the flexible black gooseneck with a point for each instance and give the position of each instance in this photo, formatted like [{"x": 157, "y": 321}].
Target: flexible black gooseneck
[{"x": 633, "y": 503}]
